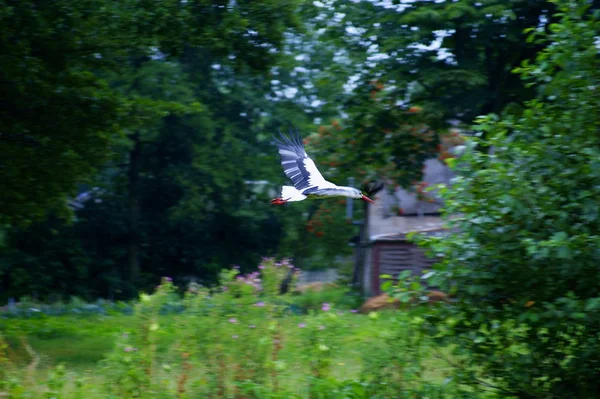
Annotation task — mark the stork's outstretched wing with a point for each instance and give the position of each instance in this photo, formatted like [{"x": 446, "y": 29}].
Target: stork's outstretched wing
[{"x": 296, "y": 163}]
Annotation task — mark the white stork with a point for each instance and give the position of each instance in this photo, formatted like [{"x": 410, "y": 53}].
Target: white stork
[{"x": 302, "y": 171}]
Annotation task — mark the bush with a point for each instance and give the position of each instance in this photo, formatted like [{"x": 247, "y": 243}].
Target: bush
[
  {"x": 239, "y": 340},
  {"x": 314, "y": 295},
  {"x": 524, "y": 263}
]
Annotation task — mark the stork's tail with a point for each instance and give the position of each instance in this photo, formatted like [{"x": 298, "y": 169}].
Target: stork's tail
[{"x": 288, "y": 194}]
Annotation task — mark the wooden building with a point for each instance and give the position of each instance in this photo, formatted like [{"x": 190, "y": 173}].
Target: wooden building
[{"x": 388, "y": 251}]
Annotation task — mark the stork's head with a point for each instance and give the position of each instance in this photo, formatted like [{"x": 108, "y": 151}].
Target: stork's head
[{"x": 356, "y": 193}]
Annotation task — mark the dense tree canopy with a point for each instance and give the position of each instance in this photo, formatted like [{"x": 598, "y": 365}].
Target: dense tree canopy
[
  {"x": 155, "y": 120},
  {"x": 139, "y": 100},
  {"x": 523, "y": 261},
  {"x": 407, "y": 72},
  {"x": 60, "y": 113}
]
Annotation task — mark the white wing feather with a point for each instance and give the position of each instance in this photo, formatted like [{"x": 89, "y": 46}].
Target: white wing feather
[
  {"x": 316, "y": 179},
  {"x": 298, "y": 166}
]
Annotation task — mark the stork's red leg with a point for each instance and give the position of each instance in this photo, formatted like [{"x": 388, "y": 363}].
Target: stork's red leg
[{"x": 278, "y": 201}]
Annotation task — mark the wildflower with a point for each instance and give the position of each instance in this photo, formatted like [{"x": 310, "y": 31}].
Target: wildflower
[
  {"x": 261, "y": 267},
  {"x": 301, "y": 325},
  {"x": 354, "y": 311},
  {"x": 233, "y": 320},
  {"x": 128, "y": 349},
  {"x": 259, "y": 304},
  {"x": 144, "y": 297},
  {"x": 321, "y": 327},
  {"x": 325, "y": 307},
  {"x": 236, "y": 266},
  {"x": 169, "y": 279}
]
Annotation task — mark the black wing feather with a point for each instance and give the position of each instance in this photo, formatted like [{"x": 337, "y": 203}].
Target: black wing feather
[{"x": 293, "y": 159}]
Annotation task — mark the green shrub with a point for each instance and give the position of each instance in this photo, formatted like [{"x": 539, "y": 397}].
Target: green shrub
[
  {"x": 341, "y": 297},
  {"x": 239, "y": 340},
  {"x": 523, "y": 264}
]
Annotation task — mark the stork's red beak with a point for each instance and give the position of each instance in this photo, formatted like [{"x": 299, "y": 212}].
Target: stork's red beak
[{"x": 365, "y": 198}]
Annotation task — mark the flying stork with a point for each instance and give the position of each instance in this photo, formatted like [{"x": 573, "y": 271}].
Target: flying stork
[{"x": 302, "y": 171}]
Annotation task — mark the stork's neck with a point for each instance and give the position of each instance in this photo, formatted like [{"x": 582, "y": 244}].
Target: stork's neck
[{"x": 347, "y": 191}]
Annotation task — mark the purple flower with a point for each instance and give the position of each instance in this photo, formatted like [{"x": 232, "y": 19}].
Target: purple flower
[
  {"x": 354, "y": 311},
  {"x": 169, "y": 279},
  {"x": 301, "y": 325},
  {"x": 259, "y": 304},
  {"x": 278, "y": 264},
  {"x": 128, "y": 349},
  {"x": 261, "y": 267},
  {"x": 233, "y": 320},
  {"x": 236, "y": 266},
  {"x": 325, "y": 307},
  {"x": 321, "y": 327}
]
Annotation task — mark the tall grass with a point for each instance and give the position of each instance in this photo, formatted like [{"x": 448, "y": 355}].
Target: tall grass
[{"x": 240, "y": 341}]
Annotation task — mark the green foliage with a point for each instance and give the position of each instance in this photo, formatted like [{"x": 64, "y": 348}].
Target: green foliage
[
  {"x": 65, "y": 112},
  {"x": 401, "y": 73},
  {"x": 337, "y": 296},
  {"x": 173, "y": 110},
  {"x": 522, "y": 263},
  {"x": 236, "y": 341}
]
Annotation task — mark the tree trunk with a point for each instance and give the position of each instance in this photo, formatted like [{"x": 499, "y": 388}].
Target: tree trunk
[{"x": 134, "y": 209}]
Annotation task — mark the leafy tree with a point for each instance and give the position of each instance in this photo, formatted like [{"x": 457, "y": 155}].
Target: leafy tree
[
  {"x": 154, "y": 64},
  {"x": 404, "y": 71},
  {"x": 523, "y": 261},
  {"x": 58, "y": 108}
]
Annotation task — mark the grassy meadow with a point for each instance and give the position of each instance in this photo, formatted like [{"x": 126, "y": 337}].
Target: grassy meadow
[{"x": 242, "y": 340}]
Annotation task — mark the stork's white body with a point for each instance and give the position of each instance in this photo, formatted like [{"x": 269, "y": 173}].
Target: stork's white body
[{"x": 308, "y": 181}]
